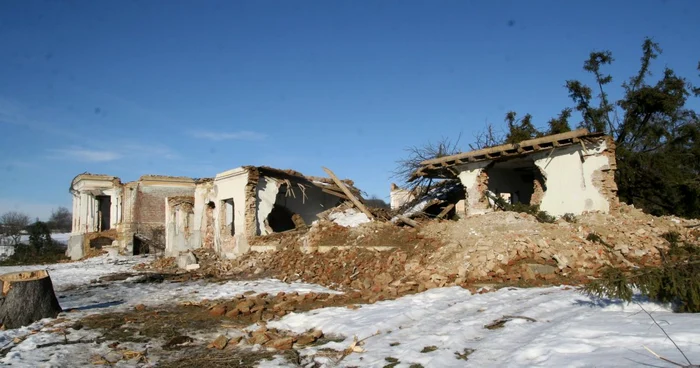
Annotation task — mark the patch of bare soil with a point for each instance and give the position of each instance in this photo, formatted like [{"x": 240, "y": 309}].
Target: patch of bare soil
[
  {"x": 144, "y": 325},
  {"x": 230, "y": 358},
  {"x": 173, "y": 327}
]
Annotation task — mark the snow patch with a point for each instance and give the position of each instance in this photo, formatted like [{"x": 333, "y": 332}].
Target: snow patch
[{"x": 349, "y": 218}]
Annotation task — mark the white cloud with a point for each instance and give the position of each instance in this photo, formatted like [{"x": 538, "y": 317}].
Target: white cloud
[
  {"x": 243, "y": 135},
  {"x": 119, "y": 150},
  {"x": 85, "y": 155}
]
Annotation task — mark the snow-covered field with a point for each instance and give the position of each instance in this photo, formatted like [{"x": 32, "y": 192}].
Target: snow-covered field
[
  {"x": 7, "y": 250},
  {"x": 570, "y": 330},
  {"x": 436, "y": 328}
]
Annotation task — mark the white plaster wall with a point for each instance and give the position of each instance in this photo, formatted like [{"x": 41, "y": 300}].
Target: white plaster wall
[
  {"x": 85, "y": 217},
  {"x": 76, "y": 214},
  {"x": 267, "y": 191},
  {"x": 569, "y": 180},
  {"x": 170, "y": 229},
  {"x": 230, "y": 184},
  {"x": 399, "y": 197},
  {"x": 178, "y": 234},
  {"x": 203, "y": 194}
]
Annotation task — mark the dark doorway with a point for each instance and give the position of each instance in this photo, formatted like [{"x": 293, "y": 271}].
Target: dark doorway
[
  {"x": 104, "y": 203},
  {"x": 516, "y": 179},
  {"x": 140, "y": 246}
]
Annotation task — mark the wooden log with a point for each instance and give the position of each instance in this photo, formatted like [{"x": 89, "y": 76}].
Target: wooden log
[
  {"x": 27, "y": 297},
  {"x": 407, "y": 221},
  {"x": 348, "y": 194}
]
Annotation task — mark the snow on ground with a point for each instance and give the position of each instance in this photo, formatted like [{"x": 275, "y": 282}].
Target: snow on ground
[
  {"x": 571, "y": 330},
  {"x": 67, "y": 274},
  {"x": 77, "y": 291}
]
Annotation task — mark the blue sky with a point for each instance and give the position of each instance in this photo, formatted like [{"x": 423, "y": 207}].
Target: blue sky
[{"x": 198, "y": 87}]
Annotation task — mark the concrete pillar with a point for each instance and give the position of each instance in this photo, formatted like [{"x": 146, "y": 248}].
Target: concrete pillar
[{"x": 75, "y": 214}]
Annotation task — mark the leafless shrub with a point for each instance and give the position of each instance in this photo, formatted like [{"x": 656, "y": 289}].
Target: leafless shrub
[
  {"x": 488, "y": 137},
  {"x": 11, "y": 225},
  {"x": 417, "y": 154}
]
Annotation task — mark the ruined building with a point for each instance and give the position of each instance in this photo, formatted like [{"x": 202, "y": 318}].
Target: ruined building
[
  {"x": 174, "y": 214},
  {"x": 128, "y": 216},
  {"x": 564, "y": 173}
]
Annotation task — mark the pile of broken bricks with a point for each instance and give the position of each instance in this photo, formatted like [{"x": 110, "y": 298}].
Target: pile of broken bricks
[
  {"x": 270, "y": 338},
  {"x": 468, "y": 251}
]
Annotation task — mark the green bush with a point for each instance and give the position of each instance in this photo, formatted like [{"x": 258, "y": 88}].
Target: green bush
[
  {"x": 570, "y": 218},
  {"x": 39, "y": 235},
  {"x": 41, "y": 248},
  {"x": 675, "y": 281},
  {"x": 26, "y": 254}
]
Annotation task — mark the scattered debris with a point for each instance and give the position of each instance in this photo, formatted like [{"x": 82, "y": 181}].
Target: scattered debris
[
  {"x": 501, "y": 322},
  {"x": 464, "y": 355},
  {"x": 429, "y": 349}
]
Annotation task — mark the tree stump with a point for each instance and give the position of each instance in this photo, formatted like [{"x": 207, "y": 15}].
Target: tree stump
[{"x": 27, "y": 297}]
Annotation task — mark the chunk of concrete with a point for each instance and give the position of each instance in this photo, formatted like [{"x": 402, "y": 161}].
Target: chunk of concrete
[
  {"x": 112, "y": 251},
  {"x": 75, "y": 247},
  {"x": 186, "y": 259}
]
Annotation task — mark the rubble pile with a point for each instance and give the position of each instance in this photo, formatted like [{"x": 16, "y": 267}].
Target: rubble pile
[
  {"x": 506, "y": 245},
  {"x": 381, "y": 259},
  {"x": 268, "y": 337},
  {"x": 249, "y": 309},
  {"x": 374, "y": 273}
]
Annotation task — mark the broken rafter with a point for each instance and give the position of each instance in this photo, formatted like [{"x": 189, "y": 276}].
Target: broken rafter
[
  {"x": 446, "y": 210},
  {"x": 337, "y": 194},
  {"x": 407, "y": 221},
  {"x": 348, "y": 194}
]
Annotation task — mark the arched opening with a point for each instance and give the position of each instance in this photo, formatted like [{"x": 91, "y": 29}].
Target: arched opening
[
  {"x": 280, "y": 219},
  {"x": 99, "y": 242}
]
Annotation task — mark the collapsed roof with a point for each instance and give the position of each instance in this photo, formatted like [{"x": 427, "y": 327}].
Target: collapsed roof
[
  {"x": 327, "y": 185},
  {"x": 443, "y": 167}
]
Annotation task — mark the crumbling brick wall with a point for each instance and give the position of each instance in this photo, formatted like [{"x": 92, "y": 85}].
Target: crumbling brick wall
[
  {"x": 538, "y": 192},
  {"x": 251, "y": 206},
  {"x": 482, "y": 185},
  {"x": 150, "y": 203},
  {"x": 604, "y": 179},
  {"x": 208, "y": 237}
]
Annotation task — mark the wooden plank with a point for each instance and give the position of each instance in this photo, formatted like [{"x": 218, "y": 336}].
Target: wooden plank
[
  {"x": 349, "y": 194},
  {"x": 407, "y": 220},
  {"x": 446, "y": 210}
]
